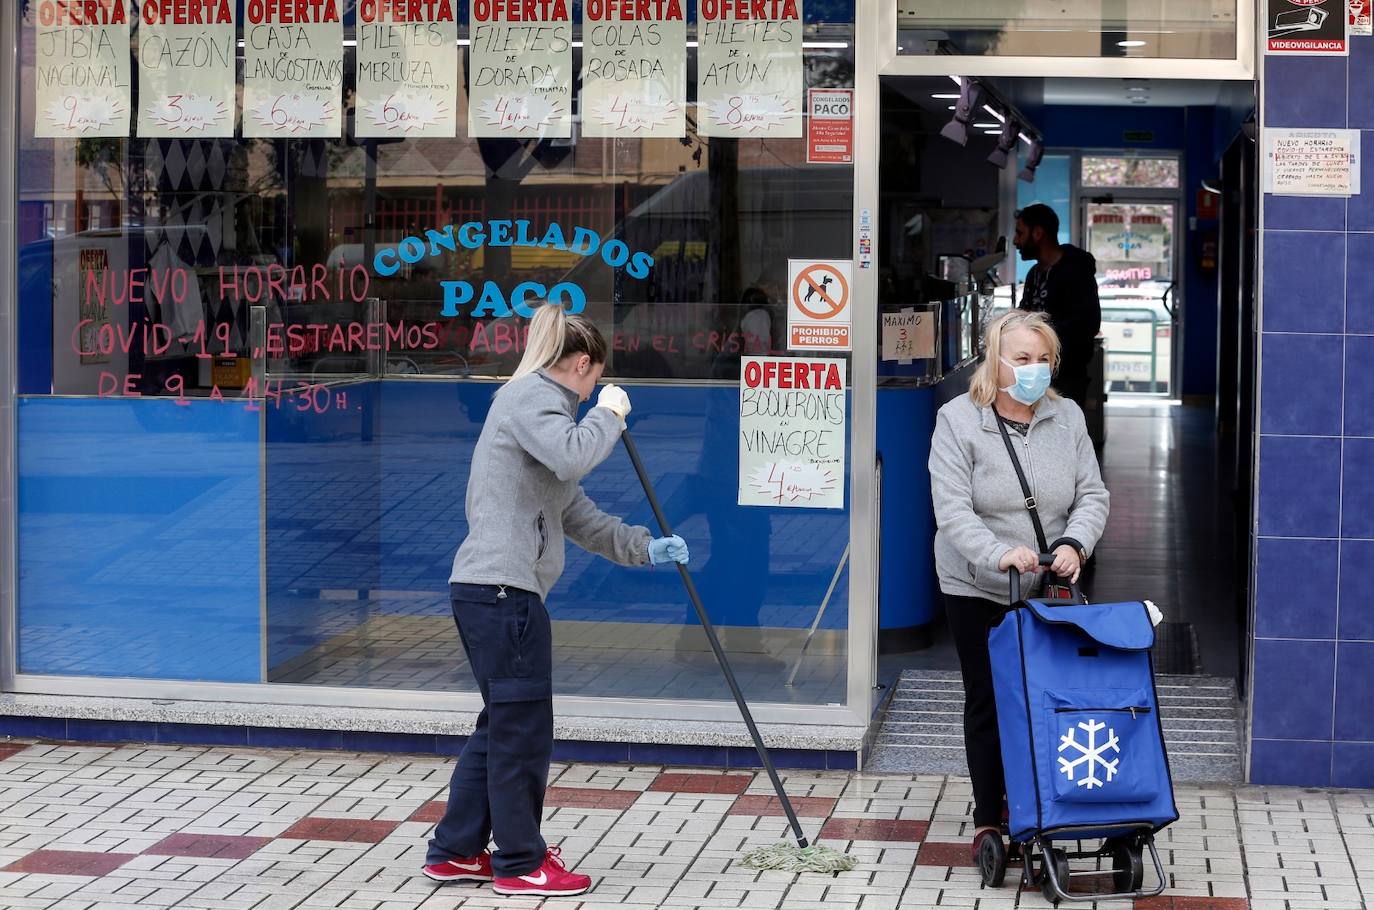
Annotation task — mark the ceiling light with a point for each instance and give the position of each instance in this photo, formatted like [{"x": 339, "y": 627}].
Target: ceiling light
[
  {"x": 984, "y": 125},
  {"x": 946, "y": 96},
  {"x": 1002, "y": 155},
  {"x": 1137, "y": 88},
  {"x": 970, "y": 96},
  {"x": 1037, "y": 152},
  {"x": 1132, "y": 43}
]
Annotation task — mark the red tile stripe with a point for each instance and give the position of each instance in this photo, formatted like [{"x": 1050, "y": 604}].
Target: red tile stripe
[
  {"x": 348, "y": 830},
  {"x": 933, "y": 853},
  {"x": 871, "y": 829},
  {"x": 8, "y": 749},
  {"x": 769, "y": 806},
  {"x": 217, "y": 846},
  {"x": 70, "y": 862},
  {"x": 587, "y": 798},
  {"x": 727, "y": 784},
  {"x": 432, "y": 813},
  {"x": 1171, "y": 902}
]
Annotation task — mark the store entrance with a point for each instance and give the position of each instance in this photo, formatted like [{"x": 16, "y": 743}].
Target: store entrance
[{"x": 1150, "y": 179}]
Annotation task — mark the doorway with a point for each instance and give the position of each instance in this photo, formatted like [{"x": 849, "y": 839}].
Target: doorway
[{"x": 1133, "y": 185}]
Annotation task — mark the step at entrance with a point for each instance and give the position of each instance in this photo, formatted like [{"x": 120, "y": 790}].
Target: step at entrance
[{"x": 923, "y": 729}]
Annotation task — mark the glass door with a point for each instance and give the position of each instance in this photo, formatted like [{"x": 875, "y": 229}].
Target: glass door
[{"x": 1133, "y": 243}]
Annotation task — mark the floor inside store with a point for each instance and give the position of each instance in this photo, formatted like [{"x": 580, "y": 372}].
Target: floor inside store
[{"x": 1169, "y": 539}]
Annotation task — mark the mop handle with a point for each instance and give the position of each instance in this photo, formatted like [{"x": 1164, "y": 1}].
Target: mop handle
[{"x": 715, "y": 643}]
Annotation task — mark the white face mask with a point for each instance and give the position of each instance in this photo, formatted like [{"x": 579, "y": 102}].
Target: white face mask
[{"x": 1032, "y": 382}]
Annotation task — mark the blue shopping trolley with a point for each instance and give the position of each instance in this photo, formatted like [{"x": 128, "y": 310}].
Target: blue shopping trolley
[{"x": 1082, "y": 743}]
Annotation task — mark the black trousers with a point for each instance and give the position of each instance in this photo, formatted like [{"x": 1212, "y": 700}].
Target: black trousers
[
  {"x": 1073, "y": 387},
  {"x": 497, "y": 789},
  {"x": 969, "y": 621}
]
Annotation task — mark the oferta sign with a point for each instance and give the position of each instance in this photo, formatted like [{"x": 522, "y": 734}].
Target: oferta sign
[{"x": 492, "y": 300}]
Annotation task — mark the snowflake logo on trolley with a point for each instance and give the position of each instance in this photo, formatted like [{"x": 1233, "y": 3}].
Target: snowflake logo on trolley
[{"x": 1090, "y": 754}]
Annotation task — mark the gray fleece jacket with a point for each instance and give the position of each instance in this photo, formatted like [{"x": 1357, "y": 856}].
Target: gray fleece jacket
[
  {"x": 980, "y": 512},
  {"x": 524, "y": 493}
]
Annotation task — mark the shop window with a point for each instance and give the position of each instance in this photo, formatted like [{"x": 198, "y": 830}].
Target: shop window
[
  {"x": 1133, "y": 172},
  {"x": 1201, "y": 29},
  {"x": 230, "y": 467}
]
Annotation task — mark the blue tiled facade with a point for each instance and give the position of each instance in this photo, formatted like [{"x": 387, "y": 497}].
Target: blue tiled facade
[{"x": 1313, "y": 672}]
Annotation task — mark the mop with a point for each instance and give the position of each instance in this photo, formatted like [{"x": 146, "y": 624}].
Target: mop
[{"x": 783, "y": 857}]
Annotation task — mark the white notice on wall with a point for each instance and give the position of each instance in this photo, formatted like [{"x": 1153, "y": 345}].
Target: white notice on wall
[
  {"x": 1361, "y": 24},
  {"x": 793, "y": 428},
  {"x": 634, "y": 69},
  {"x": 908, "y": 336},
  {"x": 407, "y": 69},
  {"x": 81, "y": 68},
  {"x": 521, "y": 69},
  {"x": 293, "y": 70},
  {"x": 186, "y": 83},
  {"x": 749, "y": 68},
  {"x": 1312, "y": 162}
]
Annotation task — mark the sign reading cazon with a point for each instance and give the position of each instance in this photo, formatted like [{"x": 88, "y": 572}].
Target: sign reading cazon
[{"x": 525, "y": 296}]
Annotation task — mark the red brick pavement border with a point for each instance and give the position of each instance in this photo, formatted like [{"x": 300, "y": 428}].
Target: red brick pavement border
[
  {"x": 209, "y": 846},
  {"x": 8, "y": 749},
  {"x": 770, "y": 806},
  {"x": 589, "y": 798},
  {"x": 348, "y": 830},
  {"x": 432, "y": 813},
  {"x": 1172, "y": 902},
  {"x": 70, "y": 862},
  {"x": 874, "y": 829},
  {"x": 935, "y": 853},
  {"x": 724, "y": 784}
]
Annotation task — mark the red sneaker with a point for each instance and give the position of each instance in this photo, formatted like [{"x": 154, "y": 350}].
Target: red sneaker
[
  {"x": 550, "y": 880},
  {"x": 476, "y": 869}
]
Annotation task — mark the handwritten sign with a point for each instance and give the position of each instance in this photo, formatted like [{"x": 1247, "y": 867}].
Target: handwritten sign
[
  {"x": 186, "y": 69},
  {"x": 908, "y": 336},
  {"x": 292, "y": 69},
  {"x": 521, "y": 69},
  {"x": 749, "y": 68},
  {"x": 407, "y": 69},
  {"x": 81, "y": 68},
  {"x": 634, "y": 68},
  {"x": 1312, "y": 162},
  {"x": 792, "y": 421}
]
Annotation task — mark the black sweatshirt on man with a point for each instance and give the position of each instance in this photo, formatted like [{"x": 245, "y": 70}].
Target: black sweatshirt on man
[{"x": 1067, "y": 293}]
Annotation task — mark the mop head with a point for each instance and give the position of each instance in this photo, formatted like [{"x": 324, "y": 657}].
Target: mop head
[{"x": 788, "y": 857}]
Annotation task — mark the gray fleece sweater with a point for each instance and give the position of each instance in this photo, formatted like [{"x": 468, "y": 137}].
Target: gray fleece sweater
[
  {"x": 980, "y": 512},
  {"x": 524, "y": 493}
]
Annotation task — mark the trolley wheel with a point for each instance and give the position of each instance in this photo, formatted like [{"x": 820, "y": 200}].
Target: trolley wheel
[
  {"x": 1060, "y": 861},
  {"x": 992, "y": 860},
  {"x": 1128, "y": 867}
]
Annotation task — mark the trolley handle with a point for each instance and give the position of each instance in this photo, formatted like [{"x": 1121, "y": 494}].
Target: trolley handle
[{"x": 1046, "y": 560}]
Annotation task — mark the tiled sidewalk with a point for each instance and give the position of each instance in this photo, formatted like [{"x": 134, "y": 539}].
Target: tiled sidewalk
[{"x": 91, "y": 826}]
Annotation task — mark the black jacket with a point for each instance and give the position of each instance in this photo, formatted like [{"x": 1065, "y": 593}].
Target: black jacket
[{"x": 1067, "y": 293}]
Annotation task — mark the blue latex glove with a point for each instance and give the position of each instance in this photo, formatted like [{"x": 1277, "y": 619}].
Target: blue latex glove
[{"x": 668, "y": 549}]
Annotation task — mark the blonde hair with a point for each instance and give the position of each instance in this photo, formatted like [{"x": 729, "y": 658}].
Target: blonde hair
[
  {"x": 984, "y": 386},
  {"x": 554, "y": 334}
]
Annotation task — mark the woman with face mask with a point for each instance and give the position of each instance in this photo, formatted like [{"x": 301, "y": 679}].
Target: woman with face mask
[{"x": 986, "y": 524}]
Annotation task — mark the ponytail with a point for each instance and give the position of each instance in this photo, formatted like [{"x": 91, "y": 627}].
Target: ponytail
[{"x": 555, "y": 335}]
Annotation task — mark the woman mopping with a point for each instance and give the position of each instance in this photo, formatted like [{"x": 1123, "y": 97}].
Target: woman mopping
[{"x": 523, "y": 496}]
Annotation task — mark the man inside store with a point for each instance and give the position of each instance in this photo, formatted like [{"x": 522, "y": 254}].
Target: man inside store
[{"x": 1062, "y": 285}]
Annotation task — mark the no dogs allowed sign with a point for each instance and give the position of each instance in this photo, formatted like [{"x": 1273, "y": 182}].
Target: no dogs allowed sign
[{"x": 818, "y": 312}]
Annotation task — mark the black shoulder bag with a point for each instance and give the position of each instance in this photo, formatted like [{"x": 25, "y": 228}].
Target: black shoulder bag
[{"x": 1069, "y": 593}]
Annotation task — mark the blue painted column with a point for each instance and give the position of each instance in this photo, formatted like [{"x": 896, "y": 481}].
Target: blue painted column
[{"x": 1314, "y": 616}]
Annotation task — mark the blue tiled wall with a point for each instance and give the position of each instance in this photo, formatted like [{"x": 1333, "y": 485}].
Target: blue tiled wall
[{"x": 1314, "y": 615}]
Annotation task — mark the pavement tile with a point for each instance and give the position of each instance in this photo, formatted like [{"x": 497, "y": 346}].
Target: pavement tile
[{"x": 70, "y": 862}]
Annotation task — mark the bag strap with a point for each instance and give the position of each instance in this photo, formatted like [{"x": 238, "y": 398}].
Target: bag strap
[{"x": 1040, "y": 539}]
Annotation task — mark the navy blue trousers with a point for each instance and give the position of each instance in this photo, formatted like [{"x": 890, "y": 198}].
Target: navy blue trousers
[{"x": 497, "y": 789}]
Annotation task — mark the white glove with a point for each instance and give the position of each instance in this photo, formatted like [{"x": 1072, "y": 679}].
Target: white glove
[
  {"x": 614, "y": 399},
  {"x": 1155, "y": 616}
]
